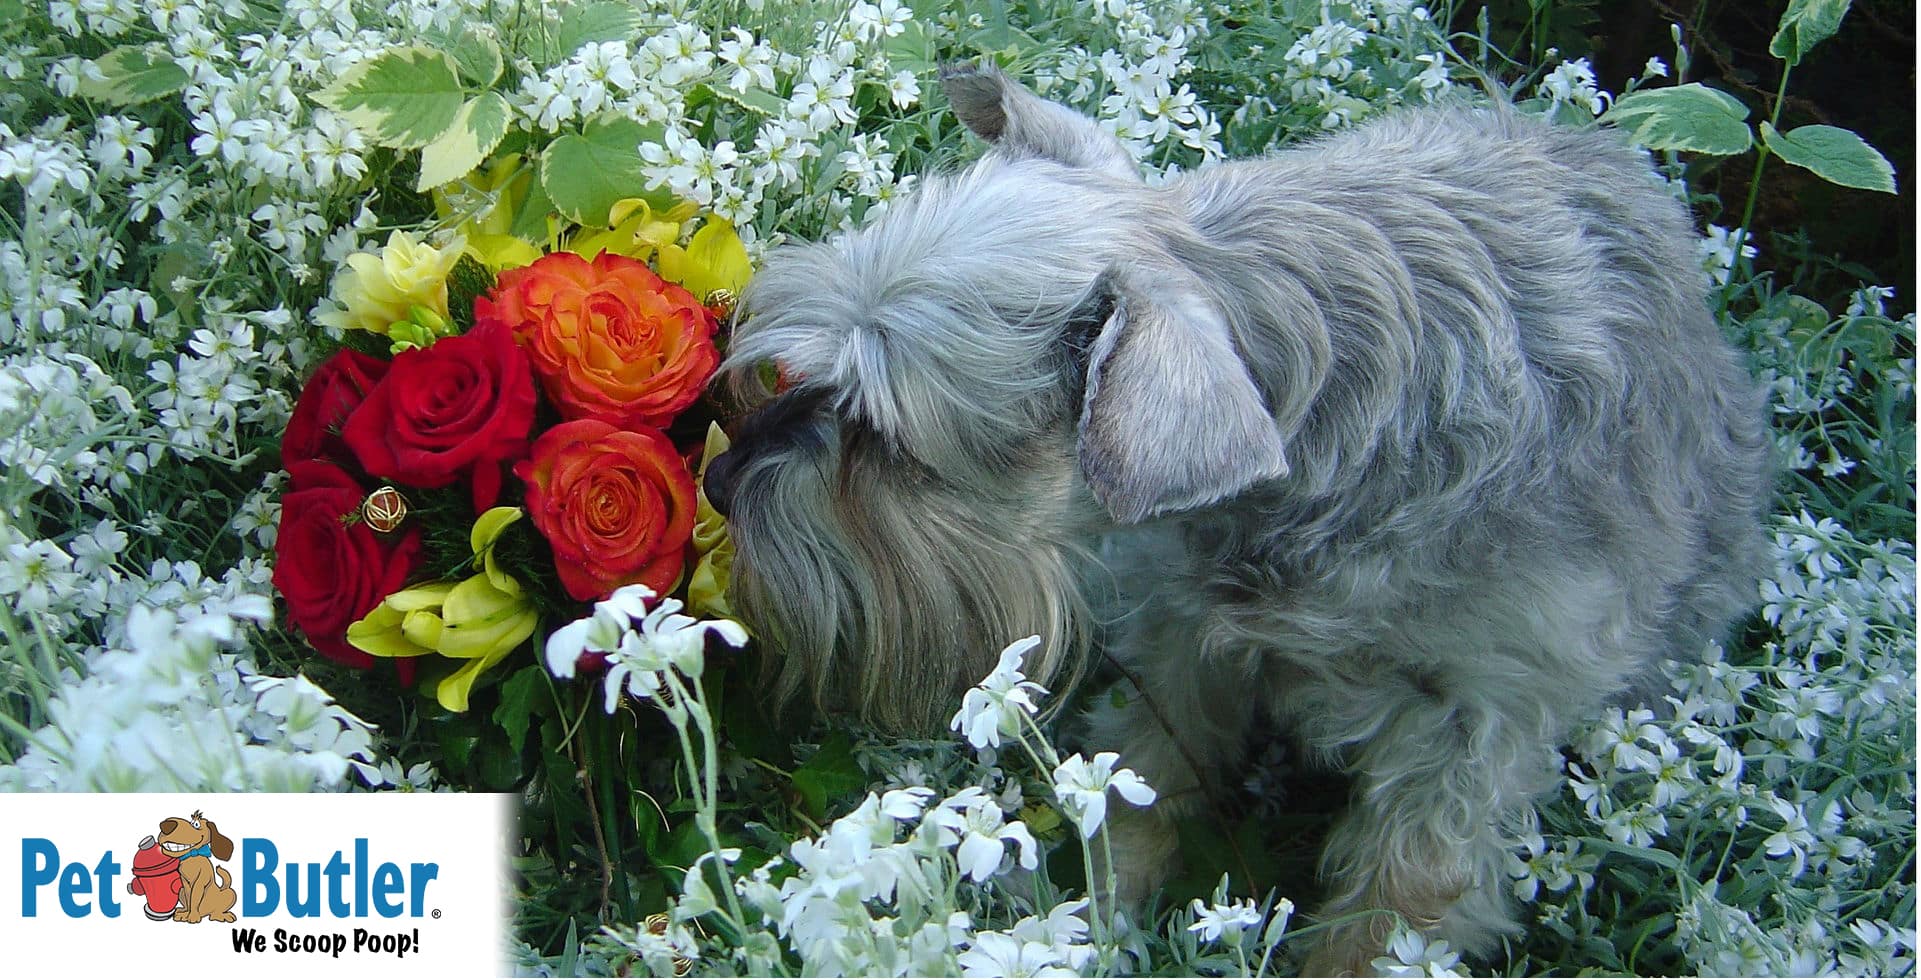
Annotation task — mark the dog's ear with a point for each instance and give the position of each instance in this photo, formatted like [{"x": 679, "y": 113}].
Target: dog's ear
[
  {"x": 1172, "y": 419},
  {"x": 1021, "y": 124},
  {"x": 222, "y": 847}
]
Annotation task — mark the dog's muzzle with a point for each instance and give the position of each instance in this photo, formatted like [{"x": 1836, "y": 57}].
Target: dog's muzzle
[{"x": 722, "y": 480}]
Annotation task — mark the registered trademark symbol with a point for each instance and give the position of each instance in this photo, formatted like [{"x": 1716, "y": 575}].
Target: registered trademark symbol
[{"x": 436, "y": 913}]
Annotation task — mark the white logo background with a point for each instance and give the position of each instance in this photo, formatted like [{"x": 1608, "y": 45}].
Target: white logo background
[{"x": 462, "y": 932}]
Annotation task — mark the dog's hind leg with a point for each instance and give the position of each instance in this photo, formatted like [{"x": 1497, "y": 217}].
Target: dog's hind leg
[{"x": 1436, "y": 774}]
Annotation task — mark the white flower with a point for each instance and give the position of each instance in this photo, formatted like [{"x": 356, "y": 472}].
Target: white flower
[
  {"x": 753, "y": 61},
  {"x": 992, "y": 708},
  {"x": 1573, "y": 82},
  {"x": 973, "y": 820},
  {"x": 1870, "y": 301},
  {"x": 903, "y": 89},
  {"x": 996, "y": 954},
  {"x": 1081, "y": 786},
  {"x": 1062, "y": 927},
  {"x": 1213, "y": 922},
  {"x": 638, "y": 644},
  {"x": 1410, "y": 954},
  {"x": 1717, "y": 251}
]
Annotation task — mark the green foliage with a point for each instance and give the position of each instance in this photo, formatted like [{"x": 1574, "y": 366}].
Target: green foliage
[
  {"x": 591, "y": 23},
  {"x": 830, "y": 774},
  {"x": 584, "y": 174},
  {"x": 134, "y": 73},
  {"x": 403, "y": 97},
  {"x": 476, "y": 129},
  {"x": 465, "y": 282},
  {"x": 1689, "y": 117},
  {"x": 1835, "y": 155},
  {"x": 1805, "y": 24},
  {"x": 476, "y": 53}
]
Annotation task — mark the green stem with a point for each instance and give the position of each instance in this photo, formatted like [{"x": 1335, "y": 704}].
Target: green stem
[
  {"x": 707, "y": 790},
  {"x": 1754, "y": 182}
]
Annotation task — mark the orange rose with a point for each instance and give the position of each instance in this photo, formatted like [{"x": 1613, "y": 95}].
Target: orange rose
[
  {"x": 609, "y": 339},
  {"x": 617, "y": 506}
]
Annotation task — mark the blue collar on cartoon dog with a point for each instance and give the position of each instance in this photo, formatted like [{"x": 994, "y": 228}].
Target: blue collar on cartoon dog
[{"x": 204, "y": 850}]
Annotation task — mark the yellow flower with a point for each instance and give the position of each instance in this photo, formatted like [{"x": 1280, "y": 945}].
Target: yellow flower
[
  {"x": 707, "y": 587},
  {"x": 501, "y": 252},
  {"x": 405, "y": 624},
  {"x": 492, "y": 198},
  {"x": 379, "y": 289},
  {"x": 480, "y": 620},
  {"x": 714, "y": 261},
  {"x": 482, "y": 625},
  {"x": 633, "y": 229}
]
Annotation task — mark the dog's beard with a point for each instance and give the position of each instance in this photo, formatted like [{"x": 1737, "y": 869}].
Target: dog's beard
[{"x": 890, "y": 604}]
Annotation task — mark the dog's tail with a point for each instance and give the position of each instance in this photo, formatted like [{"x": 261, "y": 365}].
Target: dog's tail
[{"x": 221, "y": 880}]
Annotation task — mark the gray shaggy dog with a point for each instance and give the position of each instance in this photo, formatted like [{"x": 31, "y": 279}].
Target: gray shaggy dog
[{"x": 1419, "y": 440}]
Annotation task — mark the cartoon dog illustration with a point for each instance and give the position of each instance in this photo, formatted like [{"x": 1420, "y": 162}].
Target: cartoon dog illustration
[{"x": 206, "y": 890}]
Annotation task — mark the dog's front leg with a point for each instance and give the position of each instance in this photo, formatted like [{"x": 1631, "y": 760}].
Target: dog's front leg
[
  {"x": 1181, "y": 722},
  {"x": 190, "y": 895},
  {"x": 1422, "y": 837}
]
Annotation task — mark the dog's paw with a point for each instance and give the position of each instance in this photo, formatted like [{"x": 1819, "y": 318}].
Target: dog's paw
[{"x": 222, "y": 917}]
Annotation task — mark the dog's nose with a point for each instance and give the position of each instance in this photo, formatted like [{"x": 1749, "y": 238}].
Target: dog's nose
[
  {"x": 167, "y": 825},
  {"x": 723, "y": 476}
]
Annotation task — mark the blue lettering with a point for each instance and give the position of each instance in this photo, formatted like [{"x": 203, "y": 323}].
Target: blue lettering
[
  {"x": 308, "y": 906},
  {"x": 105, "y": 871},
  {"x": 360, "y": 877},
  {"x": 73, "y": 884},
  {"x": 337, "y": 872},
  {"x": 259, "y": 892},
  {"x": 423, "y": 873},
  {"x": 38, "y": 859},
  {"x": 388, "y": 887}
]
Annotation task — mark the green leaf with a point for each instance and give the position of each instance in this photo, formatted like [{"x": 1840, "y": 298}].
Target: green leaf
[
  {"x": 474, "y": 134},
  {"x": 832, "y": 772},
  {"x": 1836, "y": 155},
  {"x": 595, "y": 22},
  {"x": 1689, "y": 117},
  {"x": 404, "y": 98},
  {"x": 910, "y": 50},
  {"x": 585, "y": 174},
  {"x": 756, "y": 100},
  {"x": 518, "y": 697},
  {"x": 1806, "y": 24},
  {"x": 1661, "y": 859},
  {"x": 476, "y": 54},
  {"x": 134, "y": 73},
  {"x": 468, "y": 280},
  {"x": 530, "y": 222}
]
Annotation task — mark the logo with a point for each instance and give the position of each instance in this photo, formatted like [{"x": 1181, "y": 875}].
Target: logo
[
  {"x": 404, "y": 879},
  {"x": 176, "y": 874}
]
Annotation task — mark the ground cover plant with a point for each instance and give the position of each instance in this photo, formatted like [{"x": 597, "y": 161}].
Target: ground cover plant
[{"x": 184, "y": 182}]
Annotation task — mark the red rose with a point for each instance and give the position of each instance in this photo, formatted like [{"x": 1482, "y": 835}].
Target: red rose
[
  {"x": 460, "y": 408},
  {"x": 617, "y": 506},
  {"x": 609, "y": 339},
  {"x": 332, "y": 568},
  {"x": 337, "y": 388}
]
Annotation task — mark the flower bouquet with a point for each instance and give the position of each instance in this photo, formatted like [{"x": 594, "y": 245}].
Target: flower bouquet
[{"x": 508, "y": 430}]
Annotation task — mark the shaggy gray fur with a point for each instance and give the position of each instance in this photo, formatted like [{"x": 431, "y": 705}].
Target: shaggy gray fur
[{"x": 1419, "y": 438}]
